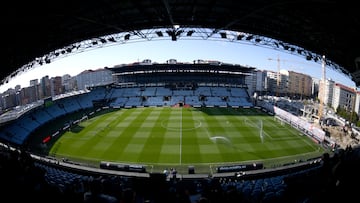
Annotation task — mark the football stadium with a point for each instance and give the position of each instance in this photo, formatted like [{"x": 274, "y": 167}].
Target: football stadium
[
  {"x": 191, "y": 132},
  {"x": 171, "y": 121}
]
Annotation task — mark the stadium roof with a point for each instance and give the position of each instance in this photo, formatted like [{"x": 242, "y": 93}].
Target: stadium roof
[{"x": 32, "y": 29}]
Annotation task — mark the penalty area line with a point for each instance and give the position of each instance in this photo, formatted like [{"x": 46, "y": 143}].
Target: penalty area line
[{"x": 180, "y": 150}]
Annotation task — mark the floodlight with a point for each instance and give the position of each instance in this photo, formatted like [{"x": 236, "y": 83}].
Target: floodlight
[
  {"x": 189, "y": 33},
  {"x": 159, "y": 33},
  {"x": 223, "y": 35}
]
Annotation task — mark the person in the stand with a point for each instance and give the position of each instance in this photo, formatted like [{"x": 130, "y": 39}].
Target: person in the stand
[{"x": 95, "y": 194}]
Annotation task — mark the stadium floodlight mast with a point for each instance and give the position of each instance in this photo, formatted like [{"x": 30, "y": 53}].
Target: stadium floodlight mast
[{"x": 175, "y": 33}]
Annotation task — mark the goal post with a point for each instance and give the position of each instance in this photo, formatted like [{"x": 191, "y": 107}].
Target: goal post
[{"x": 261, "y": 133}]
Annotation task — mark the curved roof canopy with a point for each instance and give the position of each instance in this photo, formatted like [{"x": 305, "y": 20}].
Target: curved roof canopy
[{"x": 32, "y": 29}]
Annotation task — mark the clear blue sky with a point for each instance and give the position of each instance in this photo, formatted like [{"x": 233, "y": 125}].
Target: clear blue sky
[{"x": 181, "y": 50}]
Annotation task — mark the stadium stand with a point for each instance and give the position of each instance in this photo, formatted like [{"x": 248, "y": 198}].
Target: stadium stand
[{"x": 43, "y": 180}]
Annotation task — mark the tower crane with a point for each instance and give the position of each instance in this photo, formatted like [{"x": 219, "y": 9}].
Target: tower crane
[
  {"x": 277, "y": 75},
  {"x": 322, "y": 89},
  {"x": 278, "y": 70},
  {"x": 321, "y": 94}
]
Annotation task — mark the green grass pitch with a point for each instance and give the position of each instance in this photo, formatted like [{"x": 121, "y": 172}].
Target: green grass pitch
[{"x": 160, "y": 137}]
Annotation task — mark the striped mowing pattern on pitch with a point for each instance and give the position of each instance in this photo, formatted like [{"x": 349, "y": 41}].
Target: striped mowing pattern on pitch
[{"x": 165, "y": 135}]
